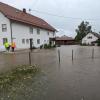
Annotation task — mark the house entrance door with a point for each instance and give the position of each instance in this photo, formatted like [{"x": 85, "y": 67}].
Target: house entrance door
[{"x": 31, "y": 44}]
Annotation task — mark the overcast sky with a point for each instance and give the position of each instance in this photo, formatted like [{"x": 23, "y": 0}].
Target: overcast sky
[{"x": 74, "y": 12}]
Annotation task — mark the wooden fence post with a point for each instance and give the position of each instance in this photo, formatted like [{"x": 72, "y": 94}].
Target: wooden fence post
[
  {"x": 93, "y": 53},
  {"x": 59, "y": 55},
  {"x": 72, "y": 54},
  {"x": 30, "y": 58}
]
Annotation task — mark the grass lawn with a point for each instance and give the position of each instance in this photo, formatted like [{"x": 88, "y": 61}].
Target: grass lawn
[{"x": 13, "y": 81}]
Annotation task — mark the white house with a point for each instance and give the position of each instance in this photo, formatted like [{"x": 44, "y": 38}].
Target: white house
[
  {"x": 90, "y": 38},
  {"x": 19, "y": 26}
]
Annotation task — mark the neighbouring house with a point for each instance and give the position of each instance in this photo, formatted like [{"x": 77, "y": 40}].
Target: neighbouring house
[
  {"x": 19, "y": 26},
  {"x": 90, "y": 38},
  {"x": 64, "y": 40}
]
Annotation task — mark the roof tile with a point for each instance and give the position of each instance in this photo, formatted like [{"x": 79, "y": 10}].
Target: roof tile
[
  {"x": 64, "y": 37},
  {"x": 18, "y": 15}
]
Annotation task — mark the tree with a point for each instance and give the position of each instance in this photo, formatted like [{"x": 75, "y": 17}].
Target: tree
[{"x": 83, "y": 29}]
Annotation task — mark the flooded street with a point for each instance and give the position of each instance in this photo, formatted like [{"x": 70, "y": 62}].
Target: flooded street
[{"x": 71, "y": 80}]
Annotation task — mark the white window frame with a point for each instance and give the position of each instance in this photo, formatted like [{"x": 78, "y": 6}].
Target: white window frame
[
  {"x": 38, "y": 31},
  {"x": 48, "y": 33},
  {"x": 90, "y": 37},
  {"x": 38, "y": 41},
  {"x": 4, "y": 40},
  {"x": 23, "y": 41},
  {"x": 31, "y": 30},
  {"x": 27, "y": 41},
  {"x": 4, "y": 27}
]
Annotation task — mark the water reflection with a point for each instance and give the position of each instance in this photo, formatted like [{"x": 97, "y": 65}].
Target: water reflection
[{"x": 69, "y": 81}]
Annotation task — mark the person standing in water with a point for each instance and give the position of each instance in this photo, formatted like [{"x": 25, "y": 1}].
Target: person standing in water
[
  {"x": 7, "y": 46},
  {"x": 13, "y": 46}
]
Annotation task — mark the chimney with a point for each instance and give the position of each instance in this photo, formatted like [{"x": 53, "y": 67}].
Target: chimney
[{"x": 24, "y": 10}]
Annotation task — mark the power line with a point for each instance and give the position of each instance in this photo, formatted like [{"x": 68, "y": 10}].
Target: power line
[
  {"x": 51, "y": 14},
  {"x": 34, "y": 3}
]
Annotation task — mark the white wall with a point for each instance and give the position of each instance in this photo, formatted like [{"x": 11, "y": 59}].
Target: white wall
[
  {"x": 85, "y": 40},
  {"x": 4, "y": 20},
  {"x": 21, "y": 31}
]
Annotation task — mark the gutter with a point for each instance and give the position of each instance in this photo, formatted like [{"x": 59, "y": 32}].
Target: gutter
[{"x": 11, "y": 31}]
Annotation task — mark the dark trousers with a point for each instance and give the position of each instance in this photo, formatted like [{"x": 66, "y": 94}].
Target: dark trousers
[
  {"x": 8, "y": 48},
  {"x": 13, "y": 49}
]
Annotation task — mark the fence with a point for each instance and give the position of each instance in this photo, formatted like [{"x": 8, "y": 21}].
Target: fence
[
  {"x": 47, "y": 57},
  {"x": 41, "y": 58},
  {"x": 80, "y": 53}
]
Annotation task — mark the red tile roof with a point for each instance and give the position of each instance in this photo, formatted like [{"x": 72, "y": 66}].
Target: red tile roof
[
  {"x": 96, "y": 34},
  {"x": 18, "y": 15},
  {"x": 64, "y": 37}
]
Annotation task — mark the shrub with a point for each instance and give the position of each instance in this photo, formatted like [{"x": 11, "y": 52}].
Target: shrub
[
  {"x": 45, "y": 46},
  {"x": 49, "y": 46},
  {"x": 98, "y": 42},
  {"x": 54, "y": 46}
]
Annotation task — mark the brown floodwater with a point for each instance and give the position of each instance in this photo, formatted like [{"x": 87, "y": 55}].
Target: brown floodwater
[{"x": 70, "y": 80}]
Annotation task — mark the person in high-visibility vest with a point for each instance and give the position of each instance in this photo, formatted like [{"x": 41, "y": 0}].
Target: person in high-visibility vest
[
  {"x": 7, "y": 46},
  {"x": 13, "y": 46}
]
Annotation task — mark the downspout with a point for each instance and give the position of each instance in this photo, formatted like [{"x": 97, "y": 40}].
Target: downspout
[{"x": 11, "y": 31}]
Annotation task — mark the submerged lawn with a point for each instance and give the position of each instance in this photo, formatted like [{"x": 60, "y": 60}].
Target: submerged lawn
[{"x": 17, "y": 84}]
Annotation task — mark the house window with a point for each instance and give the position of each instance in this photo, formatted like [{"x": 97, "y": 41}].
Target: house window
[
  {"x": 4, "y": 28},
  {"x": 48, "y": 32},
  {"x": 23, "y": 41},
  {"x": 53, "y": 33},
  {"x": 27, "y": 41},
  {"x": 31, "y": 30},
  {"x": 5, "y": 40},
  {"x": 38, "y": 41},
  {"x": 38, "y": 31},
  {"x": 90, "y": 37}
]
